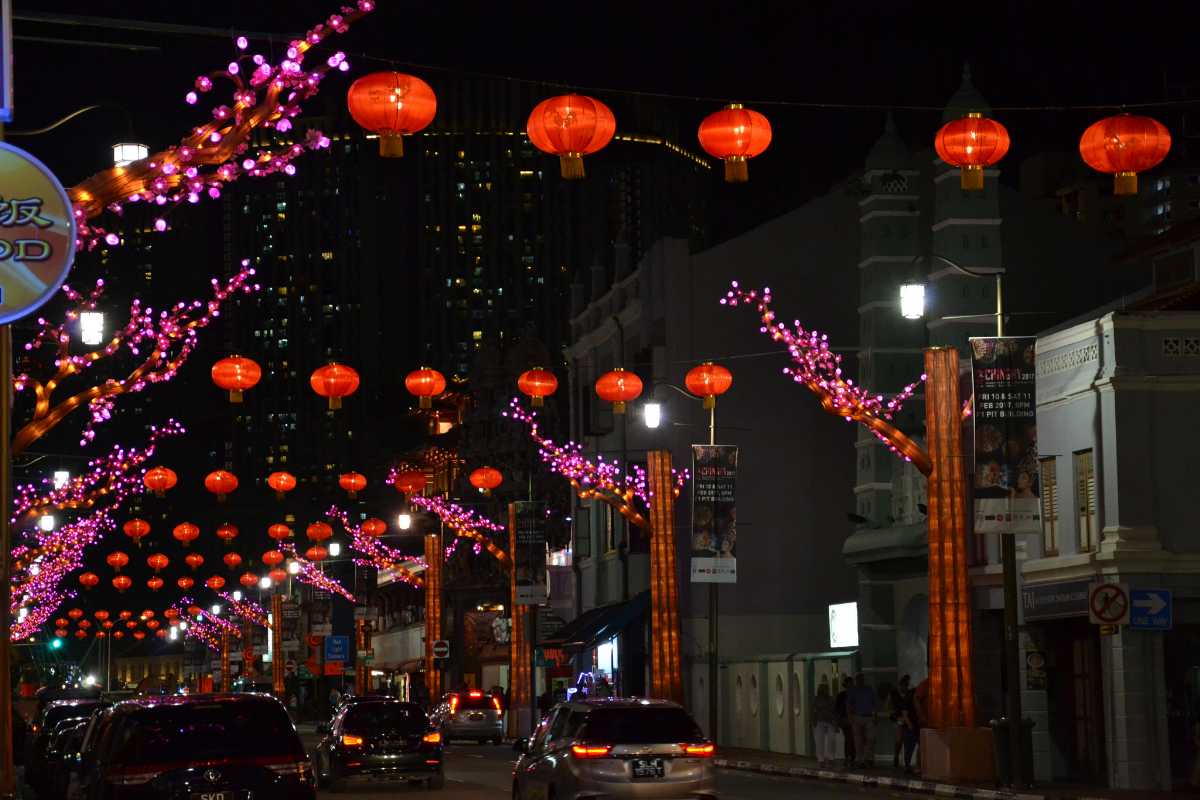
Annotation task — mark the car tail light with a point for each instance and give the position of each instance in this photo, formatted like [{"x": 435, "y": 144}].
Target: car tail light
[
  {"x": 496, "y": 703},
  {"x": 699, "y": 750},
  {"x": 432, "y": 738},
  {"x": 349, "y": 740},
  {"x": 591, "y": 750},
  {"x": 453, "y": 704}
]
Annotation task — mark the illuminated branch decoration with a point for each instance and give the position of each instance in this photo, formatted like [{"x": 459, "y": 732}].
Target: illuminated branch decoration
[
  {"x": 378, "y": 554},
  {"x": 246, "y": 609},
  {"x": 204, "y": 627},
  {"x": 265, "y": 95},
  {"x": 160, "y": 341},
  {"x": 464, "y": 522},
  {"x": 817, "y": 367},
  {"x": 628, "y": 493},
  {"x": 311, "y": 574}
]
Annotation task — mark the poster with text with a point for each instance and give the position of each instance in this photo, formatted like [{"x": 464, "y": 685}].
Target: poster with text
[
  {"x": 714, "y": 513},
  {"x": 529, "y": 560},
  {"x": 1005, "y": 486}
]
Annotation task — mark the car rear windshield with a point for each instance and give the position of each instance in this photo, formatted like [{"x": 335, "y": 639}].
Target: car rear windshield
[
  {"x": 639, "y": 726},
  {"x": 57, "y": 714},
  {"x": 383, "y": 717},
  {"x": 469, "y": 702},
  {"x": 204, "y": 731}
]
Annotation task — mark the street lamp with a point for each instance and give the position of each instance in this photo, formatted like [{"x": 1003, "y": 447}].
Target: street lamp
[
  {"x": 61, "y": 476},
  {"x": 912, "y": 300},
  {"x": 216, "y": 609},
  {"x": 264, "y": 582},
  {"x": 125, "y": 153},
  {"x": 293, "y": 568},
  {"x": 404, "y": 521},
  {"x": 652, "y": 414},
  {"x": 91, "y": 327},
  {"x": 237, "y": 595},
  {"x": 335, "y": 549},
  {"x": 46, "y": 522}
]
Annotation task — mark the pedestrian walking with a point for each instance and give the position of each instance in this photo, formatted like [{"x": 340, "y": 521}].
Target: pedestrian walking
[
  {"x": 862, "y": 704},
  {"x": 910, "y": 722},
  {"x": 841, "y": 708},
  {"x": 825, "y": 725},
  {"x": 896, "y": 700}
]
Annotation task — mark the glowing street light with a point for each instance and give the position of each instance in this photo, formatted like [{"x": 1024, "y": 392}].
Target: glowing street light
[
  {"x": 237, "y": 595},
  {"x": 216, "y": 609},
  {"x": 335, "y": 549},
  {"x": 125, "y": 153},
  {"x": 293, "y": 568},
  {"x": 264, "y": 582},
  {"x": 652, "y": 414},
  {"x": 404, "y": 521},
  {"x": 61, "y": 476},
  {"x": 91, "y": 327},
  {"x": 46, "y": 522},
  {"x": 912, "y": 300}
]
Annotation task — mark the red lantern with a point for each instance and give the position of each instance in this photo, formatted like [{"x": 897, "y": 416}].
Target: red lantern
[
  {"x": 119, "y": 634},
  {"x": 107, "y": 625},
  {"x": 131, "y": 624},
  {"x": 316, "y": 553},
  {"x": 100, "y": 614},
  {"x": 60, "y": 633},
  {"x": 971, "y": 143},
  {"x": 485, "y": 479},
  {"x": 735, "y": 135},
  {"x": 216, "y": 582},
  {"x": 157, "y": 562},
  {"x": 125, "y": 615},
  {"x": 278, "y": 575},
  {"x": 220, "y": 483},
  {"x": 61, "y": 622},
  {"x": 194, "y": 611},
  {"x": 136, "y": 529},
  {"x": 248, "y": 579},
  {"x": 161, "y": 633},
  {"x": 85, "y": 624},
  {"x": 235, "y": 375},
  {"x": 148, "y": 614},
  {"x": 334, "y": 381},
  {"x": 571, "y": 126},
  {"x": 159, "y": 480},
  {"x": 281, "y": 482},
  {"x": 319, "y": 531},
  {"x": 75, "y": 613},
  {"x": 352, "y": 483},
  {"x": 391, "y": 104},
  {"x": 185, "y": 583},
  {"x": 1125, "y": 145},
  {"x": 80, "y": 634},
  {"x": 155, "y": 583},
  {"x": 116, "y": 559},
  {"x": 619, "y": 387},
  {"x": 89, "y": 580},
  {"x": 279, "y": 532},
  {"x": 100, "y": 634},
  {"x": 227, "y": 533},
  {"x": 272, "y": 558},
  {"x": 232, "y": 560},
  {"x": 538, "y": 384},
  {"x": 153, "y": 624},
  {"x": 122, "y": 582},
  {"x": 374, "y": 527},
  {"x": 410, "y": 481},
  {"x": 139, "y": 635},
  {"x": 425, "y": 384},
  {"x": 186, "y": 533},
  {"x": 708, "y": 380},
  {"x": 194, "y": 560}
]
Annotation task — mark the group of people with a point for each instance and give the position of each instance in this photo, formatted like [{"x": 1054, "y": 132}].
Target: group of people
[{"x": 853, "y": 714}]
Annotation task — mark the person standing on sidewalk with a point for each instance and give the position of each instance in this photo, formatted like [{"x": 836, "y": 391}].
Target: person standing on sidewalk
[
  {"x": 909, "y": 721},
  {"x": 862, "y": 706},
  {"x": 896, "y": 697},
  {"x": 841, "y": 709},
  {"x": 825, "y": 725}
]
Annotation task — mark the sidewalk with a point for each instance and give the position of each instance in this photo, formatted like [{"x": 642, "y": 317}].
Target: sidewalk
[{"x": 881, "y": 777}]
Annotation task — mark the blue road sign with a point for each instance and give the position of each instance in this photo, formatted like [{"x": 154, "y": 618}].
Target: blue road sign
[
  {"x": 1151, "y": 609},
  {"x": 337, "y": 648}
]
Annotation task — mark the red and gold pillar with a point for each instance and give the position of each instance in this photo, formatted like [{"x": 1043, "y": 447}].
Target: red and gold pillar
[
  {"x": 666, "y": 671},
  {"x": 278, "y": 664},
  {"x": 519, "y": 675},
  {"x": 248, "y": 649},
  {"x": 433, "y": 613},
  {"x": 226, "y": 678},
  {"x": 362, "y": 672}
]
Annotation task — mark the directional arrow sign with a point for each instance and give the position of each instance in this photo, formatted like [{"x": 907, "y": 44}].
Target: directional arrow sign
[{"x": 1152, "y": 610}]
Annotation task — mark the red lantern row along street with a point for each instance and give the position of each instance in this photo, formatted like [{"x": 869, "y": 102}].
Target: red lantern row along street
[
  {"x": 236, "y": 374},
  {"x": 222, "y": 483},
  {"x": 706, "y": 381},
  {"x": 486, "y": 479}
]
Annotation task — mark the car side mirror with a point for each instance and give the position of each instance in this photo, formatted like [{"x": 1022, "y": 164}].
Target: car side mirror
[
  {"x": 322, "y": 727},
  {"x": 521, "y": 746}
]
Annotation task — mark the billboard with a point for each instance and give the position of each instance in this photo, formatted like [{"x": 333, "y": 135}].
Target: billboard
[
  {"x": 714, "y": 513},
  {"x": 529, "y": 556}
]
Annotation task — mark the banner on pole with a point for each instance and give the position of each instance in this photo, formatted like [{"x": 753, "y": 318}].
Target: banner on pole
[
  {"x": 714, "y": 513},
  {"x": 529, "y": 558}
]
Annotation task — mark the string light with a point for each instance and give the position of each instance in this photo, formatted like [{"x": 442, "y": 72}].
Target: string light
[
  {"x": 311, "y": 574},
  {"x": 246, "y": 609},
  {"x": 465, "y": 522},
  {"x": 377, "y": 554}
]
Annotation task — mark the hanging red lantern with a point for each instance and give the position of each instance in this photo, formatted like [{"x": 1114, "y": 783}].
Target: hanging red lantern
[
  {"x": 157, "y": 562},
  {"x": 374, "y": 527},
  {"x": 538, "y": 384},
  {"x": 393, "y": 105},
  {"x": 61, "y": 633},
  {"x": 194, "y": 611},
  {"x": 185, "y": 583},
  {"x": 107, "y": 625},
  {"x": 410, "y": 481},
  {"x": 194, "y": 560},
  {"x": 131, "y": 624},
  {"x": 85, "y": 624},
  {"x": 62, "y": 622},
  {"x": 1125, "y": 145},
  {"x": 272, "y": 558},
  {"x": 186, "y": 533},
  {"x": 89, "y": 580},
  {"x": 278, "y": 575},
  {"x": 100, "y": 634},
  {"x": 159, "y": 480},
  {"x": 125, "y": 615},
  {"x": 425, "y": 384},
  {"x": 279, "y": 532},
  {"x": 571, "y": 126},
  {"x": 216, "y": 582},
  {"x": 485, "y": 479},
  {"x": 232, "y": 560},
  {"x": 316, "y": 553},
  {"x": 227, "y": 533},
  {"x": 334, "y": 381},
  {"x": 735, "y": 134},
  {"x": 155, "y": 583},
  {"x": 148, "y": 614},
  {"x": 122, "y": 582},
  {"x": 116, "y": 559},
  {"x": 100, "y": 614},
  {"x": 618, "y": 387},
  {"x": 319, "y": 531},
  {"x": 281, "y": 482},
  {"x": 139, "y": 635},
  {"x": 352, "y": 483},
  {"x": 161, "y": 633},
  {"x": 971, "y": 144},
  {"x": 153, "y": 624},
  {"x": 119, "y": 634},
  {"x": 171, "y": 613},
  {"x": 136, "y": 529},
  {"x": 75, "y": 613},
  {"x": 708, "y": 380},
  {"x": 235, "y": 375},
  {"x": 248, "y": 579},
  {"x": 220, "y": 483},
  {"x": 81, "y": 634}
]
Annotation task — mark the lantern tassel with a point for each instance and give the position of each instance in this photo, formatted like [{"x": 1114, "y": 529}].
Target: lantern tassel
[
  {"x": 971, "y": 178},
  {"x": 391, "y": 146},
  {"x": 538, "y": 401},
  {"x": 426, "y": 401},
  {"x": 235, "y": 396},
  {"x": 619, "y": 407},
  {"x": 571, "y": 166},
  {"x": 737, "y": 170},
  {"x": 710, "y": 402},
  {"x": 1125, "y": 183},
  {"x": 352, "y": 495},
  {"x": 335, "y": 403}
]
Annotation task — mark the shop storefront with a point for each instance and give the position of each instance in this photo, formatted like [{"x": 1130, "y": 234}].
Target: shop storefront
[{"x": 608, "y": 649}]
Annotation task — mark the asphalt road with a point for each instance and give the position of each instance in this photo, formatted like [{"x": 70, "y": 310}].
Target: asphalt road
[{"x": 484, "y": 772}]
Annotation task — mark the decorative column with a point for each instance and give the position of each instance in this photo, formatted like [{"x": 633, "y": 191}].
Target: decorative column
[
  {"x": 226, "y": 678},
  {"x": 433, "y": 612},
  {"x": 666, "y": 672},
  {"x": 361, "y": 671},
  {"x": 248, "y": 648},
  {"x": 277, "y": 659},
  {"x": 519, "y": 673}
]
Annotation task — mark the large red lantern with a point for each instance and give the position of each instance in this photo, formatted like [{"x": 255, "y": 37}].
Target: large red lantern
[
  {"x": 116, "y": 559},
  {"x": 185, "y": 583},
  {"x": 161, "y": 633},
  {"x": 194, "y": 560},
  {"x": 75, "y": 613},
  {"x": 374, "y": 527},
  {"x": 618, "y": 387},
  {"x": 316, "y": 553},
  {"x": 278, "y": 575},
  {"x": 248, "y": 579},
  {"x": 215, "y": 583},
  {"x": 131, "y": 624},
  {"x": 319, "y": 531},
  {"x": 139, "y": 635},
  {"x": 235, "y": 375},
  {"x": 708, "y": 380},
  {"x": 155, "y": 583},
  {"x": 485, "y": 479},
  {"x": 80, "y": 634},
  {"x": 334, "y": 381},
  {"x": 735, "y": 135},
  {"x": 89, "y": 580},
  {"x": 971, "y": 143},
  {"x": 136, "y": 529},
  {"x": 571, "y": 126},
  {"x": 232, "y": 560},
  {"x": 1125, "y": 145},
  {"x": 281, "y": 482},
  {"x": 227, "y": 533},
  {"x": 100, "y": 614},
  {"x": 220, "y": 483},
  {"x": 107, "y": 625},
  {"x": 119, "y": 634},
  {"x": 352, "y": 483},
  {"x": 61, "y": 622},
  {"x": 122, "y": 583},
  {"x": 272, "y": 558},
  {"x": 85, "y": 624},
  {"x": 157, "y": 562},
  {"x": 125, "y": 615},
  {"x": 61, "y": 633},
  {"x": 391, "y": 104},
  {"x": 425, "y": 384},
  {"x": 538, "y": 384},
  {"x": 279, "y": 532},
  {"x": 159, "y": 480},
  {"x": 410, "y": 481},
  {"x": 153, "y": 624},
  {"x": 185, "y": 533}
]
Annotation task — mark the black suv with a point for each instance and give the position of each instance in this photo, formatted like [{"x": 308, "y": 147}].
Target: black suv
[
  {"x": 380, "y": 740},
  {"x": 53, "y": 717},
  {"x": 198, "y": 747}
]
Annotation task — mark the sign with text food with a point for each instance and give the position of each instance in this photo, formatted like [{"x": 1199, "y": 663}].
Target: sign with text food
[
  {"x": 714, "y": 513},
  {"x": 37, "y": 234},
  {"x": 1006, "y": 483},
  {"x": 529, "y": 557}
]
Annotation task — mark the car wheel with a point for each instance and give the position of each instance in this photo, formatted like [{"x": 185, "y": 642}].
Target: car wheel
[{"x": 436, "y": 782}]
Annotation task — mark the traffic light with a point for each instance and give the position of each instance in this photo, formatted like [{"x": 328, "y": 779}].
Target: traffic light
[{"x": 56, "y": 644}]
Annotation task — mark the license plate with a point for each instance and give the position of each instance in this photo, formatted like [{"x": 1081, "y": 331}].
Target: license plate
[
  {"x": 648, "y": 768},
  {"x": 212, "y": 796},
  {"x": 477, "y": 717}
]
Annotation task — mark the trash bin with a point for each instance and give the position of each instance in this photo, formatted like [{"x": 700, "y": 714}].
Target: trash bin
[{"x": 1003, "y": 750}]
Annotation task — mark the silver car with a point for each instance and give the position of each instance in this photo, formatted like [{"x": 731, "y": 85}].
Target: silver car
[
  {"x": 615, "y": 749},
  {"x": 470, "y": 715}
]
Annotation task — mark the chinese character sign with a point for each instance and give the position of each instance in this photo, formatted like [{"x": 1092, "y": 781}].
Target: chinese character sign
[
  {"x": 37, "y": 234},
  {"x": 529, "y": 559},
  {"x": 714, "y": 513},
  {"x": 1006, "y": 481}
]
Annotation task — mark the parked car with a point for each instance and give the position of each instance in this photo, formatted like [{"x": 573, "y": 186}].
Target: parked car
[
  {"x": 42, "y": 732},
  {"x": 380, "y": 740},
  {"x": 199, "y": 747},
  {"x": 353, "y": 699},
  {"x": 615, "y": 749},
  {"x": 470, "y": 715},
  {"x": 61, "y": 757}
]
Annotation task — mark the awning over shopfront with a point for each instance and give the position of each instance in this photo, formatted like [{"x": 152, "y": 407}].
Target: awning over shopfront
[{"x": 598, "y": 625}]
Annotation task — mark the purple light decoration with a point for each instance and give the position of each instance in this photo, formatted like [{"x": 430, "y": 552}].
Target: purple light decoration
[
  {"x": 191, "y": 98},
  {"x": 311, "y": 574},
  {"x": 246, "y": 609},
  {"x": 378, "y": 554},
  {"x": 242, "y": 43}
]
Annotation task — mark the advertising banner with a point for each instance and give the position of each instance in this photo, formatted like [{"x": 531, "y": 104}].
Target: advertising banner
[
  {"x": 714, "y": 513},
  {"x": 529, "y": 560},
  {"x": 1006, "y": 483}
]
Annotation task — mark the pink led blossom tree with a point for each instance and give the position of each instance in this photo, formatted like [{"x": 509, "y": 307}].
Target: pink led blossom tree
[
  {"x": 311, "y": 574},
  {"x": 376, "y": 553},
  {"x": 465, "y": 523}
]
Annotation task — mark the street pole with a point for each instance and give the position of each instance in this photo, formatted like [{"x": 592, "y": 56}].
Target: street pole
[
  {"x": 714, "y": 594},
  {"x": 8, "y": 786},
  {"x": 277, "y": 661}
]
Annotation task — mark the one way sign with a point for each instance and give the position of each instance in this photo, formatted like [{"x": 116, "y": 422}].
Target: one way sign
[{"x": 1152, "y": 609}]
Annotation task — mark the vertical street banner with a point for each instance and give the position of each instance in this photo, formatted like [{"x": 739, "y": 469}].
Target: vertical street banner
[
  {"x": 529, "y": 560},
  {"x": 1006, "y": 482},
  {"x": 714, "y": 513}
]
